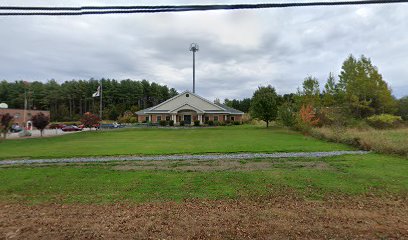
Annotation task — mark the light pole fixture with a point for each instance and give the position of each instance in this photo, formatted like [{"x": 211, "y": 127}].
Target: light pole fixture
[{"x": 194, "y": 48}]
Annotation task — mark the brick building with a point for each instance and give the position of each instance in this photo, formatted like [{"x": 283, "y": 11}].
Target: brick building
[
  {"x": 189, "y": 107},
  {"x": 18, "y": 114}
]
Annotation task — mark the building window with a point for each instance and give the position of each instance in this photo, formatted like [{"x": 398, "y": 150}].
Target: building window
[
  {"x": 147, "y": 118},
  {"x": 216, "y": 118},
  {"x": 206, "y": 119},
  {"x": 232, "y": 118},
  {"x": 167, "y": 118},
  {"x": 158, "y": 118},
  {"x": 17, "y": 116}
]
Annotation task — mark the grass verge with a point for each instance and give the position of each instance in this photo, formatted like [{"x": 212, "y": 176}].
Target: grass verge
[{"x": 106, "y": 183}]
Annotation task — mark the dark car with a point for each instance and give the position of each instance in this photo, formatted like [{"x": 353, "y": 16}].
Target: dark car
[
  {"x": 71, "y": 128},
  {"x": 57, "y": 126}
]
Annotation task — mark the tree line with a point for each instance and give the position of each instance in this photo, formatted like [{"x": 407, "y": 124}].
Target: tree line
[
  {"x": 359, "y": 93},
  {"x": 69, "y": 100}
]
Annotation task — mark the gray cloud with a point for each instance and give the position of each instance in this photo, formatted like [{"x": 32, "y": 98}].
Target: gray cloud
[{"x": 239, "y": 50}]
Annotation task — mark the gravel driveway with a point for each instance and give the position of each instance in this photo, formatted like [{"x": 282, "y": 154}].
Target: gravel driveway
[{"x": 180, "y": 157}]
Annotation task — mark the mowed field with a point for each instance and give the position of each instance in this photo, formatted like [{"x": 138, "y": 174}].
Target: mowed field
[
  {"x": 342, "y": 197},
  {"x": 165, "y": 141}
]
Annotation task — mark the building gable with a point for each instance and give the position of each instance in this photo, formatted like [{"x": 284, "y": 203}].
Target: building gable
[{"x": 189, "y": 99}]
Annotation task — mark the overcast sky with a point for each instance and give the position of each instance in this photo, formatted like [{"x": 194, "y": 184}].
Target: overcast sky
[{"x": 239, "y": 50}]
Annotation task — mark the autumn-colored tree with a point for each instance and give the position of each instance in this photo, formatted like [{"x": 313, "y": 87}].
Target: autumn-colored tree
[
  {"x": 40, "y": 121},
  {"x": 90, "y": 120},
  {"x": 6, "y": 121},
  {"x": 307, "y": 118}
]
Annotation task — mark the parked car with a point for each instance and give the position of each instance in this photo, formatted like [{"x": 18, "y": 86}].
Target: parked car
[
  {"x": 71, "y": 128},
  {"x": 16, "y": 128},
  {"x": 57, "y": 126}
]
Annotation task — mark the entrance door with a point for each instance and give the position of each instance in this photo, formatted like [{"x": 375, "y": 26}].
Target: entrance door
[{"x": 187, "y": 119}]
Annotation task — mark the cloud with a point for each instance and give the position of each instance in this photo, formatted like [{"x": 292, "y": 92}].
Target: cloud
[{"x": 239, "y": 50}]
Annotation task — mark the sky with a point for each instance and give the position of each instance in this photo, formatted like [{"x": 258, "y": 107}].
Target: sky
[{"x": 239, "y": 50}]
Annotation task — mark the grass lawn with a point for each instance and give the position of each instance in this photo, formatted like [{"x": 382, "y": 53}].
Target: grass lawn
[
  {"x": 165, "y": 141},
  {"x": 135, "y": 182}
]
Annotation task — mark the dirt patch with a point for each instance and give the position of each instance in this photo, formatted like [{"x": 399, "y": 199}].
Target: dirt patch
[
  {"x": 218, "y": 165},
  {"x": 275, "y": 218}
]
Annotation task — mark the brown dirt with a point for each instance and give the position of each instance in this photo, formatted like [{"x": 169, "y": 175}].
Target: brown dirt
[
  {"x": 274, "y": 218},
  {"x": 215, "y": 165}
]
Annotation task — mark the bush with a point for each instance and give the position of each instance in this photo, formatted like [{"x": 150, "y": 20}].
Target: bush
[
  {"x": 210, "y": 123},
  {"x": 286, "y": 115},
  {"x": 181, "y": 123},
  {"x": 228, "y": 122},
  {"x": 127, "y": 119},
  {"x": 196, "y": 123},
  {"x": 163, "y": 122},
  {"x": 171, "y": 122},
  {"x": 237, "y": 122},
  {"x": 384, "y": 121}
]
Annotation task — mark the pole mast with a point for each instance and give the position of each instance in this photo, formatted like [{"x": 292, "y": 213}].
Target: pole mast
[{"x": 194, "y": 48}]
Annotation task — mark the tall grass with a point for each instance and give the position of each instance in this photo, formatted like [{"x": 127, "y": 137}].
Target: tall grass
[{"x": 392, "y": 141}]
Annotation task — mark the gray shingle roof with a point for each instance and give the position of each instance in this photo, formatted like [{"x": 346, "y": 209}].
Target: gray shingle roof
[{"x": 230, "y": 109}]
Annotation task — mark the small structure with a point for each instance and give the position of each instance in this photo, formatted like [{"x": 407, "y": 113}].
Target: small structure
[
  {"x": 189, "y": 107},
  {"x": 19, "y": 117}
]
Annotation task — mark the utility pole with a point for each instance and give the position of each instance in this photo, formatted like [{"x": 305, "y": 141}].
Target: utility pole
[{"x": 194, "y": 48}]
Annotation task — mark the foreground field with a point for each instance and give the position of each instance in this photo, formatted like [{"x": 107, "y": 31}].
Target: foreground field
[
  {"x": 346, "y": 197},
  {"x": 165, "y": 141},
  {"x": 276, "y": 218},
  {"x": 313, "y": 178}
]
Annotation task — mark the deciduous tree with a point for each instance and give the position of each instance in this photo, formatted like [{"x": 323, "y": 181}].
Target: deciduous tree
[
  {"x": 6, "y": 121},
  {"x": 90, "y": 120},
  {"x": 264, "y": 104},
  {"x": 40, "y": 121}
]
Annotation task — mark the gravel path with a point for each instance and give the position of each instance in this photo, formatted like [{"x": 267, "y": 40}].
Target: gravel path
[{"x": 180, "y": 157}]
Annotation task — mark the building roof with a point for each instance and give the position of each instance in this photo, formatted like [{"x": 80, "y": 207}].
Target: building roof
[{"x": 188, "y": 101}]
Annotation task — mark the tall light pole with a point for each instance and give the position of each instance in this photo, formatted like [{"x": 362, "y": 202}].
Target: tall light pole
[{"x": 194, "y": 48}]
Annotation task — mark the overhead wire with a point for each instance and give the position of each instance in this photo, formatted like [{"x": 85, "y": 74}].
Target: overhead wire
[{"x": 95, "y": 10}]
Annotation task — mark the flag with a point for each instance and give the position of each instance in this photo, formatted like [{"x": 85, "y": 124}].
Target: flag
[{"x": 97, "y": 93}]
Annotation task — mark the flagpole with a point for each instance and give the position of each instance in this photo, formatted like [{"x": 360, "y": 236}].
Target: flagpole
[{"x": 100, "y": 102}]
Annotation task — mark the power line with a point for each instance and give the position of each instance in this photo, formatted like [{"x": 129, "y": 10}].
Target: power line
[{"x": 93, "y": 10}]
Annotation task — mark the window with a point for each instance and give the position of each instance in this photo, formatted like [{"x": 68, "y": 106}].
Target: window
[
  {"x": 167, "y": 118},
  {"x": 232, "y": 118},
  {"x": 147, "y": 118},
  {"x": 17, "y": 116},
  {"x": 158, "y": 118},
  {"x": 216, "y": 118},
  {"x": 207, "y": 119}
]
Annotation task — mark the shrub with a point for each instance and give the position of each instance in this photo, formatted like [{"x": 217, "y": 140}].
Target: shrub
[
  {"x": 196, "y": 123},
  {"x": 306, "y": 119},
  {"x": 237, "y": 122},
  {"x": 181, "y": 123},
  {"x": 171, "y": 122},
  {"x": 211, "y": 123},
  {"x": 163, "y": 122},
  {"x": 228, "y": 122},
  {"x": 384, "y": 121},
  {"x": 127, "y": 119},
  {"x": 286, "y": 115}
]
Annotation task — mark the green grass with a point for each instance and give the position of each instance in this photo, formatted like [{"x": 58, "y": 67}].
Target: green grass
[
  {"x": 100, "y": 183},
  {"x": 165, "y": 141}
]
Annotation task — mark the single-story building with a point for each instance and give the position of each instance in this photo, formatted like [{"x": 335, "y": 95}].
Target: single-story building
[
  {"x": 19, "y": 117},
  {"x": 189, "y": 107}
]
